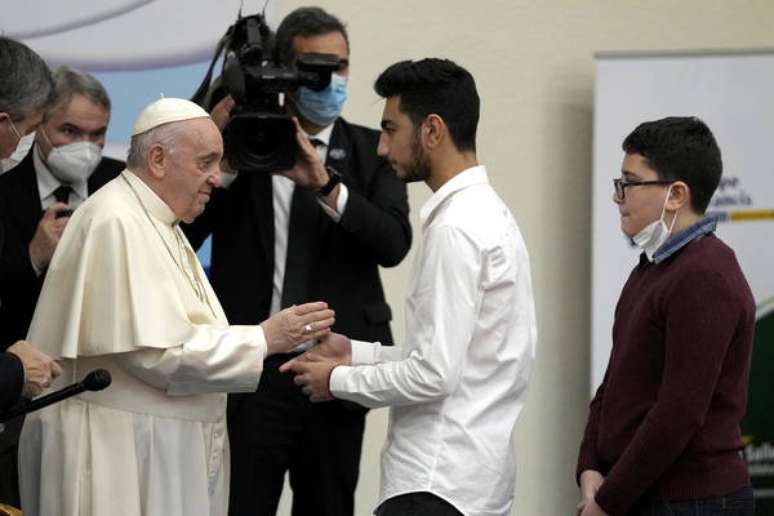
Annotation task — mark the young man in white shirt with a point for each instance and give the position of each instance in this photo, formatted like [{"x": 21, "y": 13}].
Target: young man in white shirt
[{"x": 459, "y": 382}]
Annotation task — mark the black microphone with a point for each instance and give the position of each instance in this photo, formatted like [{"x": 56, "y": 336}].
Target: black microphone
[{"x": 94, "y": 381}]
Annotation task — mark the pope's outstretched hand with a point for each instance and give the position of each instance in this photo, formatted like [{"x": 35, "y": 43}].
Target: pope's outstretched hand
[{"x": 290, "y": 327}]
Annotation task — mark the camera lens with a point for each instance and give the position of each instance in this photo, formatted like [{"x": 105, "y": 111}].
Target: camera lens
[{"x": 260, "y": 142}]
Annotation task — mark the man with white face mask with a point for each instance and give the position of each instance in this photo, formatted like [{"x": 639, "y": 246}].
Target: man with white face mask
[
  {"x": 63, "y": 168},
  {"x": 663, "y": 432},
  {"x": 318, "y": 231}
]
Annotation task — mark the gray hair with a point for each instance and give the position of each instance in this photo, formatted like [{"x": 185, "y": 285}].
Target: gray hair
[
  {"x": 165, "y": 135},
  {"x": 69, "y": 82},
  {"x": 26, "y": 84}
]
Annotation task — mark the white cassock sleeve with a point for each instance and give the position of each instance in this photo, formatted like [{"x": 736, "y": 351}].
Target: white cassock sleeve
[
  {"x": 214, "y": 359},
  {"x": 114, "y": 288}
]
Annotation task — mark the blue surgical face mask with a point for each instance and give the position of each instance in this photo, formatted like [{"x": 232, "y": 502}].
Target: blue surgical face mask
[{"x": 323, "y": 107}]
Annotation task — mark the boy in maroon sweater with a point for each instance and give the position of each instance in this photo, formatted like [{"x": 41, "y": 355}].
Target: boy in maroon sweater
[{"x": 663, "y": 433}]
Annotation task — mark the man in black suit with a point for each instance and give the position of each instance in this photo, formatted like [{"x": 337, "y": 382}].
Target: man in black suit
[
  {"x": 318, "y": 231},
  {"x": 64, "y": 166},
  {"x": 25, "y": 91}
]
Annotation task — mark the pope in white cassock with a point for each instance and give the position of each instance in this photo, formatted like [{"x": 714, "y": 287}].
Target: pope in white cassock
[{"x": 125, "y": 292}]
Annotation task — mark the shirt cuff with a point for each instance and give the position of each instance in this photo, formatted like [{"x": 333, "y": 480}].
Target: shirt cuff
[
  {"x": 338, "y": 380},
  {"x": 341, "y": 204},
  {"x": 364, "y": 352}
]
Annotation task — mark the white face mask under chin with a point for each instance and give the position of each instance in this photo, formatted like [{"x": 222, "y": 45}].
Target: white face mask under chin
[
  {"x": 74, "y": 162},
  {"x": 653, "y": 236},
  {"x": 22, "y": 149}
]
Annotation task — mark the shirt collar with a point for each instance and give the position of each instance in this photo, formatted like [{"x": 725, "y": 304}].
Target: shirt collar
[
  {"x": 150, "y": 200},
  {"x": 693, "y": 232},
  {"x": 468, "y": 177},
  {"x": 47, "y": 181},
  {"x": 323, "y": 136}
]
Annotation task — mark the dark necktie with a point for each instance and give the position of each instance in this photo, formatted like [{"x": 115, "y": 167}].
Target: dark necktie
[
  {"x": 302, "y": 244},
  {"x": 62, "y": 194}
]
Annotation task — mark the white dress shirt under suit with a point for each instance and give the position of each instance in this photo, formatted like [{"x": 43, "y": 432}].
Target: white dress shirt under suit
[
  {"x": 47, "y": 183},
  {"x": 282, "y": 199},
  {"x": 459, "y": 383}
]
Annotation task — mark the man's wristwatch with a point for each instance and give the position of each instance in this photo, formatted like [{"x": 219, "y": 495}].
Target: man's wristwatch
[{"x": 334, "y": 178}]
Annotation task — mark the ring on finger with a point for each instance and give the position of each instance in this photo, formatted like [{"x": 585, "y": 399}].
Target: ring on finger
[{"x": 308, "y": 328}]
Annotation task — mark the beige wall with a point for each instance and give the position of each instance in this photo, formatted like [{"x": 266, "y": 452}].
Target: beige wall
[{"x": 533, "y": 63}]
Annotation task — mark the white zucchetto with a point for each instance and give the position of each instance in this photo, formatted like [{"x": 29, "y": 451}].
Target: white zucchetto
[{"x": 166, "y": 110}]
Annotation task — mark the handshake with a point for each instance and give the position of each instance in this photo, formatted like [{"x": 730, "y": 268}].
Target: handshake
[
  {"x": 290, "y": 327},
  {"x": 313, "y": 368}
]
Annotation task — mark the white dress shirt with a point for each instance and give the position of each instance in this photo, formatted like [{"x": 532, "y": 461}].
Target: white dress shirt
[
  {"x": 47, "y": 183},
  {"x": 460, "y": 381},
  {"x": 282, "y": 197}
]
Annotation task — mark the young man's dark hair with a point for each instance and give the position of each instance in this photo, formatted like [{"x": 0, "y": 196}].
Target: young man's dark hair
[
  {"x": 435, "y": 86},
  {"x": 680, "y": 149},
  {"x": 305, "y": 21}
]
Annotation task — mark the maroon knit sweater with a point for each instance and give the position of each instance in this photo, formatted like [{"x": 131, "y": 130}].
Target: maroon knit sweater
[{"x": 665, "y": 421}]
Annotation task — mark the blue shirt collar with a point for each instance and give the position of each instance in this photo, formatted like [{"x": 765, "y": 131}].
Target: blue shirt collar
[{"x": 676, "y": 242}]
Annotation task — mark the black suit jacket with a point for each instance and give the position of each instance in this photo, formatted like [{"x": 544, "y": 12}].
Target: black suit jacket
[
  {"x": 341, "y": 259},
  {"x": 11, "y": 381},
  {"x": 21, "y": 212}
]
